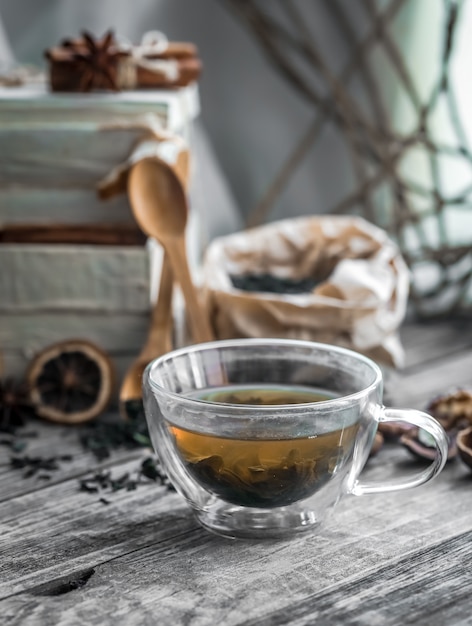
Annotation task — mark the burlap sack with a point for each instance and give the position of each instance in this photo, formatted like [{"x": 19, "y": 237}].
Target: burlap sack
[{"x": 359, "y": 300}]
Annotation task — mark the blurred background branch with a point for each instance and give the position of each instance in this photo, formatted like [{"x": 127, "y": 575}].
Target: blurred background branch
[{"x": 355, "y": 100}]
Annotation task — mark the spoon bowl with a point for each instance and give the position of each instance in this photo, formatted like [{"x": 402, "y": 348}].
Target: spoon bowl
[{"x": 158, "y": 199}]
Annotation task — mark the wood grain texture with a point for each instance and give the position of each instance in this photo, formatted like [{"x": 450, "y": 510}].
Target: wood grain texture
[
  {"x": 433, "y": 341},
  {"x": 170, "y": 109},
  {"x": 438, "y": 569},
  {"x": 51, "y": 440},
  {"x": 67, "y": 277},
  {"x": 115, "y": 331},
  {"x": 19, "y": 205},
  {"x": 62, "y": 158},
  {"x": 391, "y": 559},
  {"x": 154, "y": 558}
]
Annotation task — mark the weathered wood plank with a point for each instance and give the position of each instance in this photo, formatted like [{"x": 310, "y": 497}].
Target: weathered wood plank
[
  {"x": 171, "y": 109},
  {"x": 65, "y": 157},
  {"x": 93, "y": 278},
  {"x": 429, "y": 341},
  {"x": 77, "y": 529},
  {"x": 53, "y": 441},
  {"x": 389, "y": 595},
  {"x": 392, "y": 558},
  {"x": 27, "y": 205},
  {"x": 418, "y": 387},
  {"x": 146, "y": 543},
  {"x": 112, "y": 330}
]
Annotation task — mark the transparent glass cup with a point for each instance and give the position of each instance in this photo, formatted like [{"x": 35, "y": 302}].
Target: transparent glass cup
[{"x": 263, "y": 470}]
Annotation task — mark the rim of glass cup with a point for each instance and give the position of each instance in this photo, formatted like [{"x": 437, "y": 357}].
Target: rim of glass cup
[{"x": 287, "y": 408}]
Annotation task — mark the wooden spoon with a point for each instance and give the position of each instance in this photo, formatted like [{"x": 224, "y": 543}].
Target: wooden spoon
[
  {"x": 158, "y": 341},
  {"x": 159, "y": 205}
]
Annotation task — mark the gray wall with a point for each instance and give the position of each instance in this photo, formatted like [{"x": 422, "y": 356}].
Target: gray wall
[{"x": 252, "y": 117}]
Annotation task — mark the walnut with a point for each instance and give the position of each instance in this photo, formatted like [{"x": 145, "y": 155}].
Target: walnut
[
  {"x": 464, "y": 445},
  {"x": 394, "y": 430},
  {"x": 378, "y": 443},
  {"x": 421, "y": 444},
  {"x": 453, "y": 410}
]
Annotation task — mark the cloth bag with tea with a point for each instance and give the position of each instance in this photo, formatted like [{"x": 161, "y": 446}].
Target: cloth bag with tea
[{"x": 357, "y": 284}]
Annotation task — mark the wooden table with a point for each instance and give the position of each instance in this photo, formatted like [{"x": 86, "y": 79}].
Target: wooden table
[{"x": 67, "y": 558}]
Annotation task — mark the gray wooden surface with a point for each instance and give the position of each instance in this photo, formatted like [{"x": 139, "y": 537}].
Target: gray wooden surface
[{"x": 391, "y": 559}]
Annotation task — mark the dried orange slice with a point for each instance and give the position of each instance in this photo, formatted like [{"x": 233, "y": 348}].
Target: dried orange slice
[{"x": 71, "y": 381}]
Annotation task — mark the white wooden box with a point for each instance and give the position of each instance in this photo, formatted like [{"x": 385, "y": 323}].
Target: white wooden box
[
  {"x": 57, "y": 292},
  {"x": 55, "y": 148}
]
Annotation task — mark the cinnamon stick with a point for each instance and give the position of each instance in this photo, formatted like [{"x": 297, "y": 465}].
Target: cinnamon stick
[{"x": 85, "y": 64}]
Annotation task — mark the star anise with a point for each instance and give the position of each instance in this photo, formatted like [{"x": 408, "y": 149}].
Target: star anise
[
  {"x": 15, "y": 405},
  {"x": 97, "y": 60}
]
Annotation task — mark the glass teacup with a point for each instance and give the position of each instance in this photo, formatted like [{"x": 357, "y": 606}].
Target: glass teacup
[{"x": 263, "y": 436}]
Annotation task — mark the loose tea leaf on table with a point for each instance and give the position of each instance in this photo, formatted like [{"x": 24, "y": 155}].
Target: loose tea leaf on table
[
  {"x": 104, "y": 436},
  {"x": 101, "y": 481},
  {"x": 15, "y": 405},
  {"x": 33, "y": 464},
  {"x": 101, "y": 438},
  {"x": 107, "y": 434}
]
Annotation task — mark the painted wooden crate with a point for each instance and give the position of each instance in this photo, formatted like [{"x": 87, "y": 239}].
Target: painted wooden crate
[
  {"x": 57, "y": 292},
  {"x": 54, "y": 150}
]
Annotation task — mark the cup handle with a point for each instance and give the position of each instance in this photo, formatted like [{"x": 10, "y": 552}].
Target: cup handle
[{"x": 433, "y": 428}]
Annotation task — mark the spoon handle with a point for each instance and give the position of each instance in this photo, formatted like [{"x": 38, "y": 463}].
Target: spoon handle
[
  {"x": 199, "y": 323},
  {"x": 159, "y": 337},
  {"x": 158, "y": 342}
]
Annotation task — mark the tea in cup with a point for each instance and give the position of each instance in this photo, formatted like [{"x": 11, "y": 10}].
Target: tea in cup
[{"x": 263, "y": 436}]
